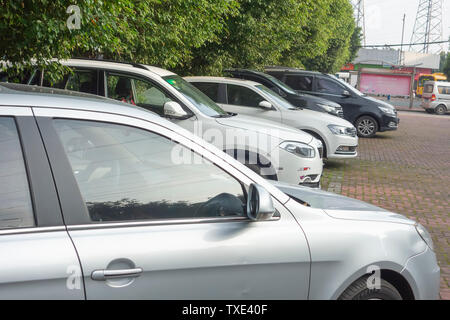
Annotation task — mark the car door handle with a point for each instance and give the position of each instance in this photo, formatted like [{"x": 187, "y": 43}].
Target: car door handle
[{"x": 102, "y": 275}]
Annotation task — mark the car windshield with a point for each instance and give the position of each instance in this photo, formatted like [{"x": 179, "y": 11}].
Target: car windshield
[
  {"x": 280, "y": 84},
  {"x": 280, "y": 101},
  {"x": 203, "y": 103},
  {"x": 352, "y": 89}
]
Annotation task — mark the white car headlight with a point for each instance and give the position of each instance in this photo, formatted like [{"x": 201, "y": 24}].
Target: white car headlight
[
  {"x": 425, "y": 235},
  {"x": 387, "y": 110},
  {"x": 342, "y": 131},
  {"x": 300, "y": 149}
]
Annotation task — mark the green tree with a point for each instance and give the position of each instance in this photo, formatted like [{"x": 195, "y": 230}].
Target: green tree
[
  {"x": 160, "y": 32},
  {"x": 446, "y": 68},
  {"x": 355, "y": 44},
  {"x": 342, "y": 41},
  {"x": 259, "y": 35}
]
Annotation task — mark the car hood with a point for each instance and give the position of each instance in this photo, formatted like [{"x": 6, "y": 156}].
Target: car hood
[
  {"x": 379, "y": 102},
  {"x": 340, "y": 207},
  {"x": 306, "y": 116},
  {"x": 271, "y": 128},
  {"x": 317, "y": 100}
]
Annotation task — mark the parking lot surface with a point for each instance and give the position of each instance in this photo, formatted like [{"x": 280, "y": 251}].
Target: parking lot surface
[{"x": 405, "y": 171}]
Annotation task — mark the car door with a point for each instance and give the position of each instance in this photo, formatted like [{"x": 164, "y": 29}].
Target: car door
[
  {"x": 243, "y": 100},
  {"x": 38, "y": 260},
  {"x": 155, "y": 216}
]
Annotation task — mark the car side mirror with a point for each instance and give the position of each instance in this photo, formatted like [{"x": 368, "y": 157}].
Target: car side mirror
[
  {"x": 259, "y": 203},
  {"x": 265, "y": 105},
  {"x": 173, "y": 110},
  {"x": 346, "y": 94}
]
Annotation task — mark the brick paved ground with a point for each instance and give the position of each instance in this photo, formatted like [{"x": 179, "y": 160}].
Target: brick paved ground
[{"x": 405, "y": 171}]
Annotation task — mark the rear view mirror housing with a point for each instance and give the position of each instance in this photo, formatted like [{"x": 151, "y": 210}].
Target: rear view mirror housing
[
  {"x": 173, "y": 110},
  {"x": 259, "y": 203},
  {"x": 346, "y": 94},
  {"x": 265, "y": 105}
]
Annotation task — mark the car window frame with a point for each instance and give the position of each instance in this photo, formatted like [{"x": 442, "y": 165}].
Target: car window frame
[
  {"x": 44, "y": 200},
  {"x": 145, "y": 79},
  {"x": 73, "y": 206},
  {"x": 316, "y": 79}
]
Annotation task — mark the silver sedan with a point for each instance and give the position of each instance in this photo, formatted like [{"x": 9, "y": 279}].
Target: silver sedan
[{"x": 102, "y": 200}]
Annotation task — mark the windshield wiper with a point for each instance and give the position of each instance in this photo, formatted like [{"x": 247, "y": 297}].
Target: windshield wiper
[{"x": 228, "y": 115}]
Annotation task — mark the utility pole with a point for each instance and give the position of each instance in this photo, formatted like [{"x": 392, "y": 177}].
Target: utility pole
[
  {"x": 403, "y": 36},
  {"x": 411, "y": 90}
]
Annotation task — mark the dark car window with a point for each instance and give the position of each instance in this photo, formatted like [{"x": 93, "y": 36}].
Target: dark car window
[
  {"x": 16, "y": 210},
  {"x": 242, "y": 96},
  {"x": 299, "y": 82},
  {"x": 208, "y": 88},
  {"x": 329, "y": 86},
  {"x": 80, "y": 80},
  {"x": 125, "y": 173}
]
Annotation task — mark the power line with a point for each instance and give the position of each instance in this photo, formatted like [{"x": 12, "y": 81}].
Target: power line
[{"x": 404, "y": 44}]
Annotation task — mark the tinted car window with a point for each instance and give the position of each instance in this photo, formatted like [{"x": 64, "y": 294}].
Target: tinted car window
[
  {"x": 242, "y": 96},
  {"x": 210, "y": 89},
  {"x": 80, "y": 80},
  {"x": 16, "y": 208},
  {"x": 328, "y": 86},
  {"x": 299, "y": 82},
  {"x": 443, "y": 90},
  {"x": 125, "y": 173}
]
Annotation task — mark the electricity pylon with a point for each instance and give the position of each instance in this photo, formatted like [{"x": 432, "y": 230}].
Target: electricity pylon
[
  {"x": 358, "y": 6},
  {"x": 428, "y": 27}
]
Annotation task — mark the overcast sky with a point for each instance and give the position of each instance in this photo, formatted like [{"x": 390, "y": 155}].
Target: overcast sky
[{"x": 384, "y": 20}]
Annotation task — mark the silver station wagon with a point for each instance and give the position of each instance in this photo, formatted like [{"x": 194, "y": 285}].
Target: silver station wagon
[{"x": 103, "y": 200}]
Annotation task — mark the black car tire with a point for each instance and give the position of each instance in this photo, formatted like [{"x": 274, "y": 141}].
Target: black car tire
[
  {"x": 440, "y": 110},
  {"x": 359, "y": 291},
  {"x": 366, "y": 127}
]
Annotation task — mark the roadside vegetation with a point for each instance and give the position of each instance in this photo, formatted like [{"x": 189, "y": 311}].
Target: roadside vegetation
[{"x": 188, "y": 36}]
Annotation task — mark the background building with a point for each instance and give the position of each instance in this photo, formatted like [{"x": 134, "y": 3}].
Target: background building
[{"x": 379, "y": 72}]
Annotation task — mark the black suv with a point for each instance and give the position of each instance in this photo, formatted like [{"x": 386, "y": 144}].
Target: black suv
[
  {"x": 369, "y": 115},
  {"x": 295, "y": 98}
]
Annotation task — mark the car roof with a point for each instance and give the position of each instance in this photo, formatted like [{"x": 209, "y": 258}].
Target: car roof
[
  {"x": 440, "y": 83},
  {"x": 292, "y": 70},
  {"x": 109, "y": 64},
  {"x": 14, "y": 94},
  {"x": 222, "y": 80},
  {"x": 248, "y": 71}
]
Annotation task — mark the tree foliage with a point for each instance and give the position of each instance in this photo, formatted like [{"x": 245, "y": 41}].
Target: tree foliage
[
  {"x": 338, "y": 41},
  {"x": 188, "y": 36},
  {"x": 447, "y": 66}
]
